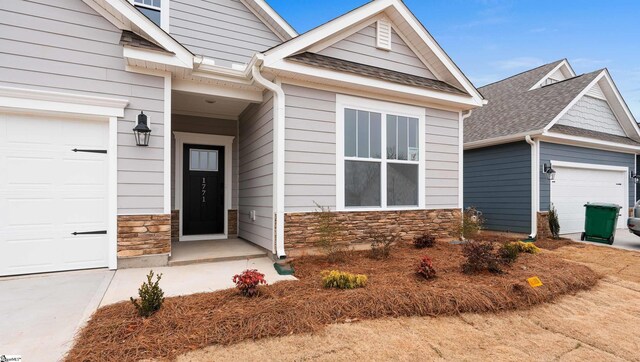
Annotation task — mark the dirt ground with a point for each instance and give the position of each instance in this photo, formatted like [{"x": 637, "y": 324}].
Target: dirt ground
[{"x": 602, "y": 324}]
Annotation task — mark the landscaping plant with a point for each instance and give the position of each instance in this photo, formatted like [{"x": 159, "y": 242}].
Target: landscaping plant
[
  {"x": 248, "y": 281},
  {"x": 480, "y": 256},
  {"x": 471, "y": 223},
  {"x": 426, "y": 269},
  {"x": 151, "y": 296},
  {"x": 328, "y": 230},
  {"x": 508, "y": 253},
  {"x": 382, "y": 243},
  {"x": 424, "y": 241},
  {"x": 343, "y": 280},
  {"x": 554, "y": 223},
  {"x": 528, "y": 248}
]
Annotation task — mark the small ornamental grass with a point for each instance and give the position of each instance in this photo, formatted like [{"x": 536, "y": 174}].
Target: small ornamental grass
[
  {"x": 343, "y": 280},
  {"x": 151, "y": 296},
  {"x": 425, "y": 268},
  {"x": 248, "y": 281},
  {"x": 424, "y": 241}
]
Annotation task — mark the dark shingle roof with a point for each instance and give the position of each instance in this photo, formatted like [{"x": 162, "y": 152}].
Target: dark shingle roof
[
  {"x": 340, "y": 65},
  {"x": 134, "y": 40},
  {"x": 514, "y": 109},
  {"x": 581, "y": 132}
]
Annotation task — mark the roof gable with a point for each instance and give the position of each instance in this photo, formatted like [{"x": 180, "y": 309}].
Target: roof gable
[
  {"x": 412, "y": 31},
  {"x": 592, "y": 114}
]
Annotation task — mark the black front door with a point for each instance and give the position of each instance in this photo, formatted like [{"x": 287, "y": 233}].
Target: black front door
[{"x": 203, "y": 190}]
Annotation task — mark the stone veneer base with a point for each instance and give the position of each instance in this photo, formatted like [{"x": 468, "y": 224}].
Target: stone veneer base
[
  {"x": 141, "y": 235},
  {"x": 301, "y": 229}
]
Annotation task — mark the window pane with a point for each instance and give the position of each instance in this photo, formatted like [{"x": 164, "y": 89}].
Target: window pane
[
  {"x": 376, "y": 135},
  {"x": 402, "y": 185},
  {"x": 194, "y": 161},
  {"x": 153, "y": 15},
  {"x": 362, "y": 183},
  {"x": 363, "y": 134},
  {"x": 402, "y": 138},
  {"x": 350, "y": 140},
  {"x": 392, "y": 149},
  {"x": 156, "y": 3},
  {"x": 414, "y": 149},
  {"x": 203, "y": 160}
]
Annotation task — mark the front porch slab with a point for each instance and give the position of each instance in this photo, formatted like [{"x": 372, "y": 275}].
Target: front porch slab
[{"x": 207, "y": 251}]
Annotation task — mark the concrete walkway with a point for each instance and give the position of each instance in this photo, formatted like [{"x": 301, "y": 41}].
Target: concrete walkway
[
  {"x": 42, "y": 313},
  {"x": 624, "y": 240}
]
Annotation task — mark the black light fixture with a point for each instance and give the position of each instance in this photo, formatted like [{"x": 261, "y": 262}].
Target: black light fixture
[
  {"x": 141, "y": 131},
  {"x": 550, "y": 172},
  {"x": 635, "y": 177}
]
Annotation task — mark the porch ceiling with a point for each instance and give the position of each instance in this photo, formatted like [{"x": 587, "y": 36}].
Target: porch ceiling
[{"x": 203, "y": 105}]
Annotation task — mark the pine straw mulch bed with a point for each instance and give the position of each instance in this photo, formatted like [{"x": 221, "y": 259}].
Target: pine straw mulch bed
[{"x": 116, "y": 333}]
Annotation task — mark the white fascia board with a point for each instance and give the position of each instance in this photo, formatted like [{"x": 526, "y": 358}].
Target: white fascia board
[
  {"x": 155, "y": 32},
  {"x": 588, "y": 142},
  {"x": 501, "y": 140},
  {"x": 153, "y": 56},
  {"x": 47, "y": 101},
  {"x": 627, "y": 113},
  {"x": 564, "y": 63},
  {"x": 318, "y": 34},
  {"x": 319, "y": 74},
  {"x": 574, "y": 101},
  {"x": 219, "y": 91}
]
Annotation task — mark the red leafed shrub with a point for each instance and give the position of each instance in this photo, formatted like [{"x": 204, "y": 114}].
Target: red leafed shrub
[
  {"x": 247, "y": 282},
  {"x": 426, "y": 269}
]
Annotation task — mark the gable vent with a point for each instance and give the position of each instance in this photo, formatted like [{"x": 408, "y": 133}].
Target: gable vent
[{"x": 383, "y": 37}]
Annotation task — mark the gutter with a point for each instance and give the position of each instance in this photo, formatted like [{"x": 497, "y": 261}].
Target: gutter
[
  {"x": 535, "y": 180},
  {"x": 278, "y": 151}
]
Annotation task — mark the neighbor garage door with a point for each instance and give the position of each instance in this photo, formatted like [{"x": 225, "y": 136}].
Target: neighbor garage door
[
  {"x": 48, "y": 192},
  {"x": 574, "y": 187}
]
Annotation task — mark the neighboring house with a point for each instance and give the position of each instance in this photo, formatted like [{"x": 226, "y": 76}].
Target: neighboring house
[
  {"x": 544, "y": 120},
  {"x": 251, "y": 126}
]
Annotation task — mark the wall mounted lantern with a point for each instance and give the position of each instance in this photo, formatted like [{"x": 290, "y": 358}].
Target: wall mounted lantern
[
  {"x": 141, "y": 131},
  {"x": 550, "y": 172},
  {"x": 635, "y": 177}
]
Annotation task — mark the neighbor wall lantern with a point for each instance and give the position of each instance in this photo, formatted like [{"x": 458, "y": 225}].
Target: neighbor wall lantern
[
  {"x": 635, "y": 177},
  {"x": 141, "y": 131},
  {"x": 550, "y": 172}
]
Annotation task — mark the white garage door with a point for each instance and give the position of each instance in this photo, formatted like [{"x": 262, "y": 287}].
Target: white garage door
[
  {"x": 574, "y": 187},
  {"x": 48, "y": 192}
]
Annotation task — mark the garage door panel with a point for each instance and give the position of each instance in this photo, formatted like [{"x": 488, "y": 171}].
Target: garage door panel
[
  {"x": 50, "y": 192},
  {"x": 574, "y": 187}
]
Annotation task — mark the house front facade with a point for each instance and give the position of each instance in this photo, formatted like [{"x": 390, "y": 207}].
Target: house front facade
[
  {"x": 252, "y": 128},
  {"x": 550, "y": 138}
]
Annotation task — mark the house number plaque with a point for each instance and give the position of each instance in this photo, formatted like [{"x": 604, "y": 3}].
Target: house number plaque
[{"x": 204, "y": 190}]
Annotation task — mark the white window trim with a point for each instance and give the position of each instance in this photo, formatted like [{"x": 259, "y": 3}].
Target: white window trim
[
  {"x": 208, "y": 140},
  {"x": 86, "y": 107},
  {"x": 370, "y": 105}
]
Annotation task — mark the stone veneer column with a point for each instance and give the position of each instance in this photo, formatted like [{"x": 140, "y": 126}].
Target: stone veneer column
[
  {"x": 144, "y": 235},
  {"x": 175, "y": 225},
  {"x": 232, "y": 221},
  {"x": 544, "y": 232}
]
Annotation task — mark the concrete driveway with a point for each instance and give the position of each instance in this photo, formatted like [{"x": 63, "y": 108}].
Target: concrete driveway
[
  {"x": 41, "y": 313},
  {"x": 623, "y": 240}
]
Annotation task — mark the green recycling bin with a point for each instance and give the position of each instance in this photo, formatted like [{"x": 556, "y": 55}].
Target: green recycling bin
[{"x": 600, "y": 222}]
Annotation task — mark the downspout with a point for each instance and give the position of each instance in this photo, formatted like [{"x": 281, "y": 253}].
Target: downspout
[
  {"x": 278, "y": 152},
  {"x": 534, "y": 187}
]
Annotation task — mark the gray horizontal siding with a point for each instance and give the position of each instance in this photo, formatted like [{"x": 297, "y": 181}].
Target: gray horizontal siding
[
  {"x": 497, "y": 181},
  {"x": 255, "y": 173},
  {"x": 310, "y": 148},
  {"x": 223, "y": 127},
  {"x": 361, "y": 48},
  {"x": 65, "y": 46},
  {"x": 442, "y": 156},
  {"x": 558, "y": 152},
  {"x": 224, "y": 30}
]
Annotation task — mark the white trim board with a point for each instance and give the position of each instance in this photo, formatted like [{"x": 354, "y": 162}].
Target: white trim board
[
  {"x": 364, "y": 104},
  {"x": 208, "y": 140}
]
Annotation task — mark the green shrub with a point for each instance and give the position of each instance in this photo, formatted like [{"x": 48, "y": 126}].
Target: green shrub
[
  {"x": 528, "y": 248},
  {"x": 381, "y": 243},
  {"x": 554, "y": 223},
  {"x": 151, "y": 296},
  {"x": 509, "y": 253},
  {"x": 343, "y": 280},
  {"x": 424, "y": 241},
  {"x": 328, "y": 229},
  {"x": 471, "y": 223},
  {"x": 480, "y": 256},
  {"x": 425, "y": 268}
]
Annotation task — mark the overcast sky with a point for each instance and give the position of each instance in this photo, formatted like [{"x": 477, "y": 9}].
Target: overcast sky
[{"x": 493, "y": 39}]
